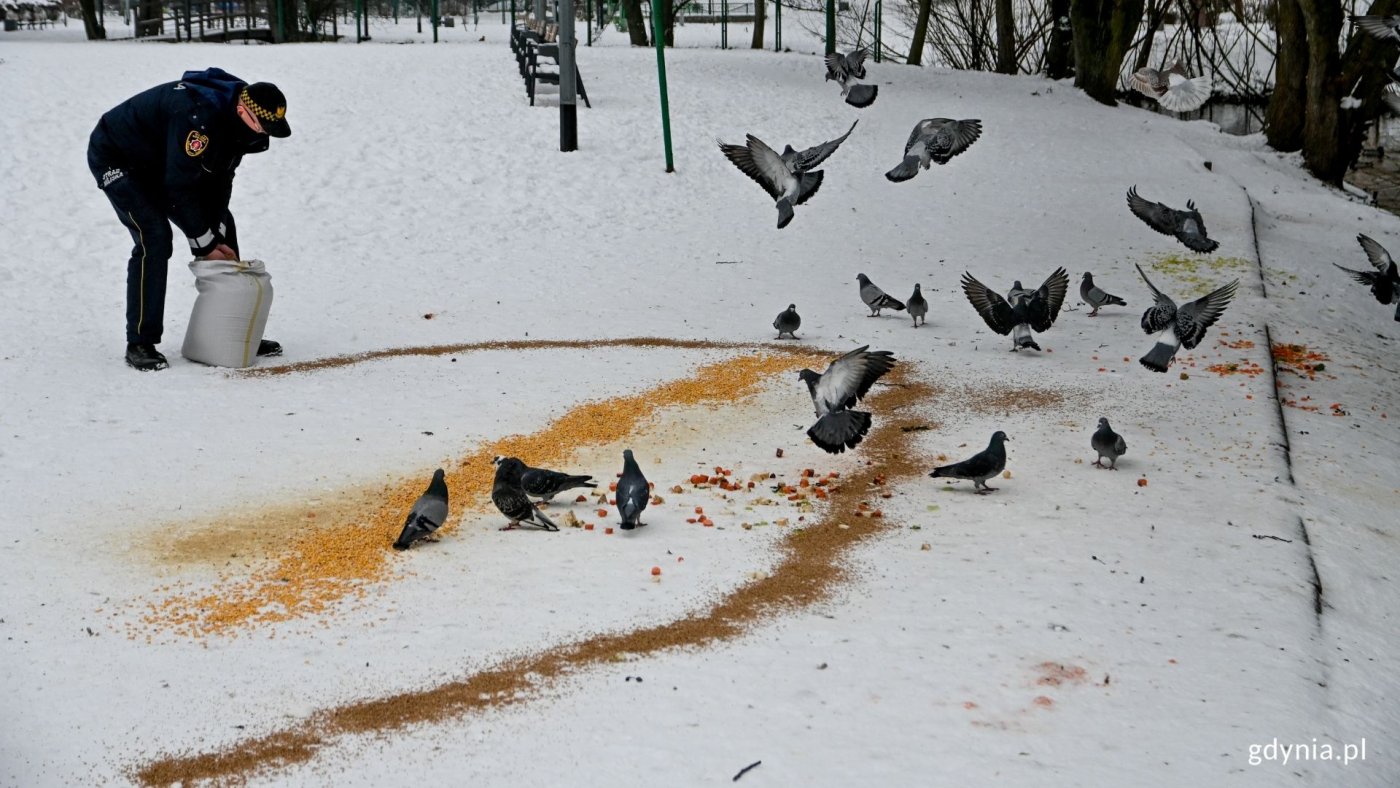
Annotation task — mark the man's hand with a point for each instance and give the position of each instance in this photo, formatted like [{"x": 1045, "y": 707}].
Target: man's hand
[{"x": 221, "y": 252}]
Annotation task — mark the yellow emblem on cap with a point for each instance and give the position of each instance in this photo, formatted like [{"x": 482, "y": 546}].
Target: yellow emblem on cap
[{"x": 196, "y": 143}]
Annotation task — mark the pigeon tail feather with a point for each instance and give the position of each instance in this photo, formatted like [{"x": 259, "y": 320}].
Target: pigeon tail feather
[
  {"x": 906, "y": 169},
  {"x": 862, "y": 96},
  {"x": 1162, "y": 352},
  {"x": 1021, "y": 335},
  {"x": 785, "y": 213},
  {"x": 840, "y": 430}
]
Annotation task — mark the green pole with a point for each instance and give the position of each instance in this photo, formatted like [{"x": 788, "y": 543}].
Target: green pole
[
  {"x": 358, "y": 12},
  {"x": 724, "y": 24},
  {"x": 435, "y": 21},
  {"x": 830, "y": 26},
  {"x": 778, "y": 27},
  {"x": 661, "y": 79},
  {"x": 878, "y": 25},
  {"x": 588, "y": 19},
  {"x": 396, "y": 12}
]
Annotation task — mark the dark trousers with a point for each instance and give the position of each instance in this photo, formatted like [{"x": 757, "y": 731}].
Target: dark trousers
[{"x": 141, "y": 210}]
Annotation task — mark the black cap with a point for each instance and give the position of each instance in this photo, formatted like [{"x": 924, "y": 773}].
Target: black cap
[{"x": 269, "y": 106}]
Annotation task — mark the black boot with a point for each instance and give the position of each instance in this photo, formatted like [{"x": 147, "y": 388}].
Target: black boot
[
  {"x": 145, "y": 357},
  {"x": 267, "y": 347}
]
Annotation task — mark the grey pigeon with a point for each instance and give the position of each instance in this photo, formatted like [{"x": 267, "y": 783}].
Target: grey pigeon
[
  {"x": 1384, "y": 281},
  {"x": 633, "y": 492},
  {"x": 846, "y": 69},
  {"x": 837, "y": 390},
  {"x": 427, "y": 514},
  {"x": 979, "y": 467},
  {"x": 1382, "y": 27},
  {"x": 875, "y": 298},
  {"x": 788, "y": 177},
  {"x": 787, "y": 321},
  {"x": 1173, "y": 88},
  {"x": 1090, "y": 294},
  {"x": 935, "y": 139},
  {"x": 1108, "y": 444},
  {"x": 545, "y": 484},
  {"x": 509, "y": 496},
  {"x": 918, "y": 306},
  {"x": 1022, "y": 310},
  {"x": 1187, "y": 225},
  {"x": 1180, "y": 327}
]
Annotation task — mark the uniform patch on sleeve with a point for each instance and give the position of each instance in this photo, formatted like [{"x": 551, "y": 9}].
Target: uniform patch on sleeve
[{"x": 196, "y": 143}]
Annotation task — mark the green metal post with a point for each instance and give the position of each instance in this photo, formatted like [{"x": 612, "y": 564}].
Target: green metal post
[
  {"x": 359, "y": 10},
  {"x": 830, "y": 26},
  {"x": 661, "y": 79},
  {"x": 879, "y": 15},
  {"x": 588, "y": 19},
  {"x": 436, "y": 21},
  {"x": 396, "y": 12},
  {"x": 778, "y": 27},
  {"x": 724, "y": 24}
]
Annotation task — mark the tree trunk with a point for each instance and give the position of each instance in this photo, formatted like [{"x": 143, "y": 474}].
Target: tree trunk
[
  {"x": 759, "y": 7},
  {"x": 1006, "y": 37},
  {"x": 1283, "y": 120},
  {"x": 92, "y": 19},
  {"x": 1156, "y": 11},
  {"x": 916, "y": 45},
  {"x": 1059, "y": 55},
  {"x": 1103, "y": 29},
  {"x": 668, "y": 19},
  {"x": 636, "y": 23},
  {"x": 1322, "y": 127}
]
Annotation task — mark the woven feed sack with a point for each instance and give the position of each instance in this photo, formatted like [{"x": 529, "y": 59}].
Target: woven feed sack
[{"x": 230, "y": 312}]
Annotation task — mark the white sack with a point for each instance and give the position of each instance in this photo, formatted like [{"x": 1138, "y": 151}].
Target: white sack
[{"x": 229, "y": 313}]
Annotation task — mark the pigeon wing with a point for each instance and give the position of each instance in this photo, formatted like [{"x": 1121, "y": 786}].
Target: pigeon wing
[
  {"x": 1194, "y": 318},
  {"x": 855, "y": 63},
  {"x": 1376, "y": 253},
  {"x": 954, "y": 137},
  {"x": 1191, "y": 230},
  {"x": 1156, "y": 215},
  {"x": 817, "y": 154},
  {"x": 1382, "y": 27},
  {"x": 1368, "y": 278},
  {"x": 1045, "y": 303},
  {"x": 760, "y": 162},
  {"x": 850, "y": 377},
  {"x": 1186, "y": 95},
  {"x": 1149, "y": 82},
  {"x": 998, "y": 314},
  {"x": 835, "y": 67},
  {"x": 1160, "y": 314}
]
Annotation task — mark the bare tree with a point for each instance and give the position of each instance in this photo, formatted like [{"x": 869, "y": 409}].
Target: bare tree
[
  {"x": 1103, "y": 31},
  {"x": 1059, "y": 55},
  {"x": 92, "y": 19},
  {"x": 759, "y": 6},
  {"x": 636, "y": 23},
  {"x": 916, "y": 45},
  {"x": 1006, "y": 37}
]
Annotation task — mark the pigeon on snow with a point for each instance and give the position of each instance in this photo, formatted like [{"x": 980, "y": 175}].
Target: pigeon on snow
[
  {"x": 1187, "y": 225},
  {"x": 979, "y": 467},
  {"x": 509, "y": 496},
  {"x": 1382, "y": 27},
  {"x": 787, "y": 177},
  {"x": 1180, "y": 327},
  {"x": 847, "y": 68},
  {"x": 1173, "y": 88},
  {"x": 545, "y": 484},
  {"x": 1090, "y": 294},
  {"x": 918, "y": 306},
  {"x": 1022, "y": 310},
  {"x": 837, "y": 390},
  {"x": 875, "y": 298},
  {"x": 935, "y": 139},
  {"x": 788, "y": 321},
  {"x": 1108, "y": 444},
  {"x": 427, "y": 514},
  {"x": 633, "y": 492},
  {"x": 1384, "y": 281}
]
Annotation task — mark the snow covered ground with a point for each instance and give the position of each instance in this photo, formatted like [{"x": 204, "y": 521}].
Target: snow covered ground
[{"x": 1074, "y": 628}]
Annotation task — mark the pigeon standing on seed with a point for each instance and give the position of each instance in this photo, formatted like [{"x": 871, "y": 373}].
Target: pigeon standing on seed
[
  {"x": 837, "y": 390},
  {"x": 846, "y": 69},
  {"x": 935, "y": 139},
  {"x": 1173, "y": 88},
  {"x": 787, "y": 321},
  {"x": 1022, "y": 310},
  {"x": 1180, "y": 327},
  {"x": 788, "y": 177},
  {"x": 979, "y": 467},
  {"x": 1108, "y": 444},
  {"x": 545, "y": 484},
  {"x": 918, "y": 306},
  {"x": 1187, "y": 225},
  {"x": 875, "y": 298},
  {"x": 509, "y": 496},
  {"x": 1090, "y": 294},
  {"x": 1384, "y": 281},
  {"x": 427, "y": 515},
  {"x": 633, "y": 492}
]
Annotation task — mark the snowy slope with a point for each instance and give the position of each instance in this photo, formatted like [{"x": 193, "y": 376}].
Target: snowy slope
[{"x": 1072, "y": 629}]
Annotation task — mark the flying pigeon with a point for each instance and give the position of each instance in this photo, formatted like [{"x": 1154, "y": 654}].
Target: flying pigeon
[
  {"x": 918, "y": 306},
  {"x": 1108, "y": 444},
  {"x": 787, "y": 177},
  {"x": 427, "y": 514},
  {"x": 510, "y": 498},
  {"x": 875, "y": 298},
  {"x": 1173, "y": 88},
  {"x": 545, "y": 484},
  {"x": 1022, "y": 310},
  {"x": 1184, "y": 327},
  {"x": 837, "y": 390},
  {"x": 787, "y": 321},
  {"x": 1382, "y": 27},
  {"x": 1090, "y": 294},
  {"x": 1187, "y": 225},
  {"x": 1384, "y": 281},
  {"x": 847, "y": 68},
  {"x": 633, "y": 492},
  {"x": 935, "y": 139},
  {"x": 979, "y": 467}
]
